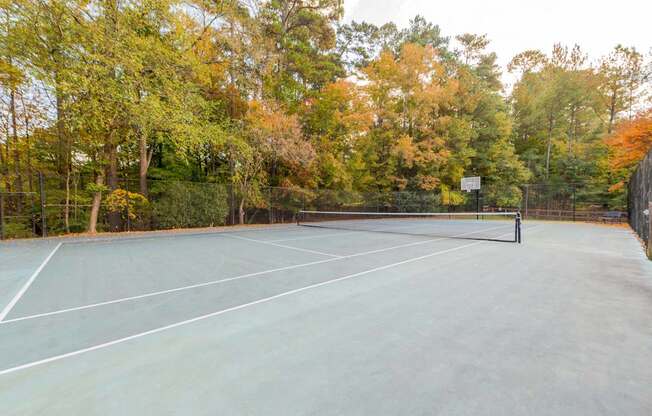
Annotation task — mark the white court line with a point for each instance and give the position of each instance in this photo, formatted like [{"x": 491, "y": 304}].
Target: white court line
[
  {"x": 163, "y": 292},
  {"x": 311, "y": 237},
  {"x": 223, "y": 311},
  {"x": 27, "y": 284},
  {"x": 165, "y": 234},
  {"x": 269, "y": 243},
  {"x": 229, "y": 279}
]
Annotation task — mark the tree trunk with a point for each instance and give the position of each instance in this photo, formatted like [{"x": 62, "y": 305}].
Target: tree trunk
[
  {"x": 18, "y": 182},
  {"x": 612, "y": 112},
  {"x": 95, "y": 207},
  {"x": 145, "y": 159},
  {"x": 572, "y": 131},
  {"x": 66, "y": 209},
  {"x": 3, "y": 167},
  {"x": 5, "y": 170},
  {"x": 231, "y": 187},
  {"x": 62, "y": 157},
  {"x": 549, "y": 147},
  {"x": 241, "y": 213},
  {"x": 112, "y": 182},
  {"x": 28, "y": 146}
]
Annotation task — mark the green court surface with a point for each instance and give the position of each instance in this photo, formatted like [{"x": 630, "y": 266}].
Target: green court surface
[{"x": 291, "y": 320}]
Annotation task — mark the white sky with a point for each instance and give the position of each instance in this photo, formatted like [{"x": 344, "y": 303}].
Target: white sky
[{"x": 514, "y": 26}]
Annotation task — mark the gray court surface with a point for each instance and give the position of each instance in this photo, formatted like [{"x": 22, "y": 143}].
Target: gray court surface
[{"x": 291, "y": 320}]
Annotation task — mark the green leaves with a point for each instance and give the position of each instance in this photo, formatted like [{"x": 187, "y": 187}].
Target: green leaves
[{"x": 254, "y": 94}]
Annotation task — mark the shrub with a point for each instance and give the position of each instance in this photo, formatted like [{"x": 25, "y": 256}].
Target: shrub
[
  {"x": 187, "y": 205},
  {"x": 18, "y": 230},
  {"x": 117, "y": 201}
]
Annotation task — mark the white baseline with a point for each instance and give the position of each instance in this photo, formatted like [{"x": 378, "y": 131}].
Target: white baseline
[{"x": 27, "y": 284}]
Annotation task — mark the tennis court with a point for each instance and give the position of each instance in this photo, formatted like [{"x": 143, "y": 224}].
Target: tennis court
[{"x": 325, "y": 320}]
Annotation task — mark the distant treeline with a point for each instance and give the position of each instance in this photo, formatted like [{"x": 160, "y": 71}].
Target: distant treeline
[{"x": 252, "y": 94}]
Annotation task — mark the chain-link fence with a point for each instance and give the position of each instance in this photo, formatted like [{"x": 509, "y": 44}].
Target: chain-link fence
[
  {"x": 571, "y": 202},
  {"x": 640, "y": 201},
  {"x": 64, "y": 205}
]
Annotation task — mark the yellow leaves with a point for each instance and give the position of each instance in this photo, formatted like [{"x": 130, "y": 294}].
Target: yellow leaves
[
  {"x": 352, "y": 112},
  {"x": 416, "y": 63},
  {"x": 415, "y": 77},
  {"x": 432, "y": 151},
  {"x": 120, "y": 199},
  {"x": 449, "y": 197},
  {"x": 383, "y": 68},
  {"x": 428, "y": 153},
  {"x": 10, "y": 75},
  {"x": 404, "y": 150},
  {"x": 503, "y": 124}
]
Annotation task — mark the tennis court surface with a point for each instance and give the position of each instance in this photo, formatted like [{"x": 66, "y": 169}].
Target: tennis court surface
[{"x": 291, "y": 320}]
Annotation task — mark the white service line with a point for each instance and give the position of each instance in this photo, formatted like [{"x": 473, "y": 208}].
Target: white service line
[
  {"x": 163, "y": 292},
  {"x": 27, "y": 284},
  {"x": 312, "y": 237},
  {"x": 269, "y": 243},
  {"x": 223, "y": 311},
  {"x": 229, "y": 279}
]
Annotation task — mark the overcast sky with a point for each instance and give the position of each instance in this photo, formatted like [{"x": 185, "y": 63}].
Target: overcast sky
[{"x": 513, "y": 25}]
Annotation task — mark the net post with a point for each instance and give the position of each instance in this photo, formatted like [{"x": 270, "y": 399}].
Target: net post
[{"x": 517, "y": 236}]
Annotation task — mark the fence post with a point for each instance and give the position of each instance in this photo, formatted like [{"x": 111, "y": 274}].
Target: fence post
[
  {"x": 33, "y": 215},
  {"x": 2, "y": 216},
  {"x": 649, "y": 229},
  {"x": 573, "y": 202},
  {"x": 41, "y": 186},
  {"x": 527, "y": 197},
  {"x": 270, "y": 214},
  {"x": 231, "y": 204},
  {"x": 477, "y": 203}
]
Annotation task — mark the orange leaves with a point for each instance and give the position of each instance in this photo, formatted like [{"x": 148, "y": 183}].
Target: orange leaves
[
  {"x": 279, "y": 134},
  {"x": 415, "y": 78},
  {"x": 630, "y": 142},
  {"x": 352, "y": 111},
  {"x": 617, "y": 186},
  {"x": 428, "y": 182}
]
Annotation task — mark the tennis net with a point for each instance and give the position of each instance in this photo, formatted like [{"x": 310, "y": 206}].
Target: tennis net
[{"x": 491, "y": 226}]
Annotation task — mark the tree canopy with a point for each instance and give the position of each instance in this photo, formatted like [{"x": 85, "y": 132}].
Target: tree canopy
[{"x": 282, "y": 93}]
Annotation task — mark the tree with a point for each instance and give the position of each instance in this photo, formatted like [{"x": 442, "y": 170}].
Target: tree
[
  {"x": 622, "y": 75},
  {"x": 336, "y": 120},
  {"x": 302, "y": 35},
  {"x": 556, "y": 110},
  {"x": 414, "y": 133},
  {"x": 630, "y": 142}
]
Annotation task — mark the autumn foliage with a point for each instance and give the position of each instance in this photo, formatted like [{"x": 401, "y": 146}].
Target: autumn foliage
[
  {"x": 630, "y": 142},
  {"x": 258, "y": 94}
]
